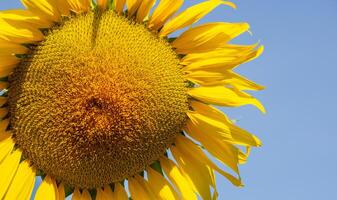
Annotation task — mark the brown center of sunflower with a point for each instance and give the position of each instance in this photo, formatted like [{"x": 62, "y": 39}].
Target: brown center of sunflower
[{"x": 98, "y": 101}]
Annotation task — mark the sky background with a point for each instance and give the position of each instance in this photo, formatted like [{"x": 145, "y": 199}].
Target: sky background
[{"x": 299, "y": 69}]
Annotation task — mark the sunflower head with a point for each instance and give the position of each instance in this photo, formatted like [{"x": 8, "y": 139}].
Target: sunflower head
[{"x": 94, "y": 94}]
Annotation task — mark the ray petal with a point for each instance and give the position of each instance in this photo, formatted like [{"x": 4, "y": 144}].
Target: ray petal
[
  {"x": 9, "y": 48},
  {"x": 201, "y": 183},
  {"x": 46, "y": 9},
  {"x": 229, "y": 50},
  {"x": 165, "y": 10},
  {"x": 133, "y": 6},
  {"x": 208, "y": 37},
  {"x": 105, "y": 194},
  {"x": 8, "y": 168},
  {"x": 102, "y": 4},
  {"x": 6, "y": 71},
  {"x": 63, "y": 7},
  {"x": 223, "y": 96},
  {"x": 77, "y": 195},
  {"x": 192, "y": 151},
  {"x": 174, "y": 174},
  {"x": 239, "y": 135},
  {"x": 192, "y": 15},
  {"x": 119, "y": 192},
  {"x": 119, "y": 5},
  {"x": 6, "y": 145},
  {"x": 61, "y": 192},
  {"x": 4, "y": 85},
  {"x": 223, "y": 63},
  {"x": 211, "y": 126},
  {"x": 219, "y": 148},
  {"x": 86, "y": 195},
  {"x": 160, "y": 186},
  {"x": 3, "y": 125},
  {"x": 19, "y": 35},
  {"x": 79, "y": 6},
  {"x": 139, "y": 189},
  {"x": 24, "y": 18},
  {"x": 20, "y": 187},
  {"x": 48, "y": 188},
  {"x": 3, "y": 100},
  {"x": 222, "y": 78},
  {"x": 144, "y": 9},
  {"x": 8, "y": 60}
]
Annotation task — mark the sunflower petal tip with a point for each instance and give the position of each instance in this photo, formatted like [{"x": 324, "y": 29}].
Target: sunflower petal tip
[
  {"x": 258, "y": 143},
  {"x": 230, "y": 4}
]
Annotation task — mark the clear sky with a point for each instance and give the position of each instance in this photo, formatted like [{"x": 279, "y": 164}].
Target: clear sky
[{"x": 299, "y": 68}]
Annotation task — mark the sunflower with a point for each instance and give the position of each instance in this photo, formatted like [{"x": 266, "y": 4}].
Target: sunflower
[{"x": 100, "y": 102}]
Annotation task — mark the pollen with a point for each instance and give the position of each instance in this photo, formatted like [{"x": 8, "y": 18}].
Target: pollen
[{"x": 99, "y": 100}]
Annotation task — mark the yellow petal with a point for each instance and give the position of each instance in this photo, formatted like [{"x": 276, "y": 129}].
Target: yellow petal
[
  {"x": 4, "y": 85},
  {"x": 229, "y": 50},
  {"x": 223, "y": 62},
  {"x": 175, "y": 176},
  {"x": 211, "y": 126},
  {"x": 79, "y": 6},
  {"x": 76, "y": 194},
  {"x": 144, "y": 9},
  {"x": 46, "y": 9},
  {"x": 139, "y": 189},
  {"x": 105, "y": 194},
  {"x": 242, "y": 83},
  {"x": 165, "y": 10},
  {"x": 24, "y": 18},
  {"x": 19, "y": 35},
  {"x": 3, "y": 100},
  {"x": 191, "y": 150},
  {"x": 100, "y": 195},
  {"x": 9, "y": 48},
  {"x": 119, "y": 192},
  {"x": 160, "y": 186},
  {"x": 48, "y": 188},
  {"x": 215, "y": 195},
  {"x": 192, "y": 15},
  {"x": 239, "y": 135},
  {"x": 219, "y": 148},
  {"x": 3, "y": 112},
  {"x": 3, "y": 125},
  {"x": 190, "y": 167},
  {"x": 61, "y": 192},
  {"x": 6, "y": 145},
  {"x": 28, "y": 189},
  {"x": 223, "y": 96},
  {"x": 119, "y": 5},
  {"x": 8, "y": 168},
  {"x": 63, "y": 7},
  {"x": 225, "y": 78},
  {"x": 6, "y": 72},
  {"x": 23, "y": 179},
  {"x": 133, "y": 6},
  {"x": 208, "y": 37},
  {"x": 102, "y": 4},
  {"x": 86, "y": 195},
  {"x": 8, "y": 62}
]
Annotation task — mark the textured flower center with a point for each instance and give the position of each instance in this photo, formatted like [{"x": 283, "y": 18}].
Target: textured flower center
[{"x": 98, "y": 101}]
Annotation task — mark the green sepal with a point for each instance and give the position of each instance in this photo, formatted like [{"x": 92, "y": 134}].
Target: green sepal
[
  {"x": 68, "y": 191},
  {"x": 156, "y": 166}
]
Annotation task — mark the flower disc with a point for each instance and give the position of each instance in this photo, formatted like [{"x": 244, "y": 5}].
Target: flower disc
[{"x": 97, "y": 101}]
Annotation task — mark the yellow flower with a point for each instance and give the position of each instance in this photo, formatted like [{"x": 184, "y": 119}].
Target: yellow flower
[{"x": 95, "y": 94}]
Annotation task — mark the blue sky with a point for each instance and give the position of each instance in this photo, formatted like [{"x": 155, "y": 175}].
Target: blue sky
[{"x": 299, "y": 69}]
